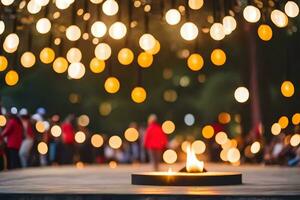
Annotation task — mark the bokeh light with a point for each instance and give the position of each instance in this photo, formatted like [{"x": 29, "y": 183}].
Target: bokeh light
[
  {"x": 168, "y": 127},
  {"x": 170, "y": 156},
  {"x": 131, "y": 134},
  {"x": 115, "y": 142},
  {"x": 208, "y": 131}
]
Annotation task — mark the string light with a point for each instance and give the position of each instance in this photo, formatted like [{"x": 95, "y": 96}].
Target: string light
[
  {"x": 76, "y": 70},
  {"x": 98, "y": 29},
  {"x": 195, "y": 62},
  {"x": 110, "y": 7},
  {"x": 189, "y": 31},
  {"x": 265, "y": 32},
  {"x": 74, "y": 55},
  {"x": 125, "y": 56},
  {"x": 28, "y": 59},
  {"x": 11, "y": 43},
  {"x": 251, "y": 14},
  {"x": 217, "y": 31},
  {"x": 138, "y": 94},
  {"x": 33, "y": 7},
  {"x": 218, "y": 57},
  {"x": 287, "y": 89},
  {"x": 2, "y": 27},
  {"x": 102, "y": 51},
  {"x": 3, "y": 63},
  {"x": 279, "y": 18},
  {"x": 97, "y": 140},
  {"x": 60, "y": 65},
  {"x": 229, "y": 24},
  {"x": 43, "y": 25},
  {"x": 195, "y": 4},
  {"x": 145, "y": 59},
  {"x": 173, "y": 16},
  {"x": 117, "y": 30},
  {"x": 168, "y": 127},
  {"x": 291, "y": 9},
  {"x": 112, "y": 85},
  {"x": 11, "y": 78},
  {"x": 97, "y": 66},
  {"x": 47, "y": 55},
  {"x": 147, "y": 42},
  {"x": 170, "y": 156},
  {"x": 73, "y": 33},
  {"x": 131, "y": 134},
  {"x": 155, "y": 49},
  {"x": 7, "y": 2},
  {"x": 241, "y": 94},
  {"x": 115, "y": 142}
]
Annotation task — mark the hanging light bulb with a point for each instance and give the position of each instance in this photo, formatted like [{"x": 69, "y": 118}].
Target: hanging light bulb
[
  {"x": 218, "y": 57},
  {"x": 173, "y": 16},
  {"x": 76, "y": 70},
  {"x": 195, "y": 62},
  {"x": 138, "y": 94},
  {"x": 98, "y": 29},
  {"x": 155, "y": 49},
  {"x": 217, "y": 31},
  {"x": 74, "y": 55},
  {"x": 291, "y": 9},
  {"x": 117, "y": 30},
  {"x": 73, "y": 33},
  {"x": 287, "y": 89},
  {"x": 279, "y": 18},
  {"x": 125, "y": 56},
  {"x": 195, "y": 4},
  {"x": 97, "y": 66},
  {"x": 33, "y": 7},
  {"x": 112, "y": 85},
  {"x": 3, "y": 63},
  {"x": 103, "y": 51},
  {"x": 189, "y": 31},
  {"x": 7, "y": 2},
  {"x": 145, "y": 59},
  {"x": 251, "y": 14},
  {"x": 47, "y": 55},
  {"x": 229, "y": 24},
  {"x": 43, "y": 25},
  {"x": 60, "y": 65},
  {"x": 28, "y": 59},
  {"x": 11, "y": 43},
  {"x": 265, "y": 32},
  {"x": 2, "y": 27},
  {"x": 11, "y": 78},
  {"x": 110, "y": 7},
  {"x": 147, "y": 41}
]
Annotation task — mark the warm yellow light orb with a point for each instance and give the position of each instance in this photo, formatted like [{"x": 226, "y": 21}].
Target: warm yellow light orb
[
  {"x": 43, "y": 25},
  {"x": 112, "y": 85},
  {"x": 218, "y": 57},
  {"x": 11, "y": 78},
  {"x": 102, "y": 51},
  {"x": 195, "y": 4},
  {"x": 283, "y": 122},
  {"x": 224, "y": 118},
  {"x": 168, "y": 127},
  {"x": 145, "y": 59},
  {"x": 60, "y": 65},
  {"x": 97, "y": 140},
  {"x": 3, "y": 63},
  {"x": 276, "y": 129},
  {"x": 125, "y": 56},
  {"x": 279, "y": 18},
  {"x": 3, "y": 120},
  {"x": 55, "y": 131},
  {"x": 110, "y": 7},
  {"x": 229, "y": 24},
  {"x": 155, "y": 49},
  {"x": 7, "y": 2},
  {"x": 233, "y": 155},
  {"x": 265, "y": 32},
  {"x": 287, "y": 89},
  {"x": 73, "y": 33},
  {"x": 97, "y": 66},
  {"x": 170, "y": 156},
  {"x": 173, "y": 16},
  {"x": 74, "y": 55},
  {"x": 80, "y": 137},
  {"x": 131, "y": 134},
  {"x": 47, "y": 55},
  {"x": 2, "y": 27},
  {"x": 11, "y": 43},
  {"x": 255, "y": 147},
  {"x": 217, "y": 31},
  {"x": 195, "y": 62},
  {"x": 76, "y": 70},
  {"x": 42, "y": 148},
  {"x": 28, "y": 59},
  {"x": 208, "y": 131},
  {"x": 117, "y": 30},
  {"x": 251, "y": 14},
  {"x": 115, "y": 142},
  {"x": 138, "y": 94},
  {"x": 147, "y": 42},
  {"x": 221, "y": 138},
  {"x": 241, "y": 94},
  {"x": 98, "y": 29},
  {"x": 198, "y": 146},
  {"x": 296, "y": 119},
  {"x": 291, "y": 9},
  {"x": 295, "y": 140},
  {"x": 189, "y": 31}
]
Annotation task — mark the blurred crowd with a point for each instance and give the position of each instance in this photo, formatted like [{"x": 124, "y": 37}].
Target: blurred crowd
[{"x": 33, "y": 140}]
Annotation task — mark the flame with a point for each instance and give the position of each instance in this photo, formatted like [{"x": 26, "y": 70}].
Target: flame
[{"x": 193, "y": 165}]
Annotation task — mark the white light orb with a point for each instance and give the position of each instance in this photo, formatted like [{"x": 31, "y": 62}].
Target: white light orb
[
  {"x": 195, "y": 4},
  {"x": 110, "y": 7},
  {"x": 217, "y": 31},
  {"x": 147, "y": 42},
  {"x": 241, "y": 94},
  {"x": 28, "y": 59},
  {"x": 43, "y": 25},
  {"x": 291, "y": 9},
  {"x": 117, "y": 30},
  {"x": 189, "y": 31},
  {"x": 33, "y": 7},
  {"x": 11, "y": 43},
  {"x": 229, "y": 24},
  {"x": 74, "y": 55},
  {"x": 96, "y": 1},
  {"x": 42, "y": 2},
  {"x": 73, "y": 33},
  {"x": 7, "y": 2},
  {"x": 102, "y": 51},
  {"x": 279, "y": 18},
  {"x": 251, "y": 14},
  {"x": 62, "y": 4},
  {"x": 173, "y": 16},
  {"x": 76, "y": 70},
  {"x": 98, "y": 29},
  {"x": 2, "y": 27}
]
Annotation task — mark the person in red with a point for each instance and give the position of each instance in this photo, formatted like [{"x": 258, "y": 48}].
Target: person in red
[
  {"x": 155, "y": 141},
  {"x": 13, "y": 133},
  {"x": 68, "y": 140}
]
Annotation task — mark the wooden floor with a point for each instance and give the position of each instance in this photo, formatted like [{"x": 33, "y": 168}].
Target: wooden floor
[{"x": 258, "y": 181}]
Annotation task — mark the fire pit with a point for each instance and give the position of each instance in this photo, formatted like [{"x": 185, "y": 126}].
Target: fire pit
[{"x": 194, "y": 174}]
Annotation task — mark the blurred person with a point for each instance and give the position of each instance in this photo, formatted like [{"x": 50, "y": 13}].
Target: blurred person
[
  {"x": 54, "y": 142},
  {"x": 13, "y": 133},
  {"x": 296, "y": 160},
  {"x": 2, "y": 155},
  {"x": 68, "y": 138},
  {"x": 28, "y": 135},
  {"x": 155, "y": 141}
]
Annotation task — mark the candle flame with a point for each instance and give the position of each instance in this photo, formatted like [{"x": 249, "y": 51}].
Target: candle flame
[{"x": 193, "y": 165}]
